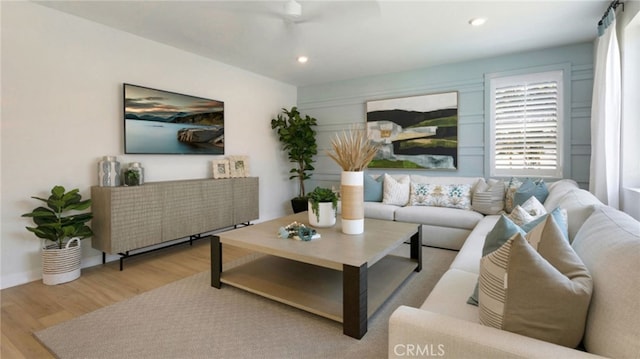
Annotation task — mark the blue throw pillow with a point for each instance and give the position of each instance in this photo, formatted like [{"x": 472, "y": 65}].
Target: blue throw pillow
[
  {"x": 372, "y": 188},
  {"x": 530, "y": 188},
  {"x": 505, "y": 229}
]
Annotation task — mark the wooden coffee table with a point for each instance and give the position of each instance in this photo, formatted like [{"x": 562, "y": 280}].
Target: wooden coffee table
[{"x": 343, "y": 277}]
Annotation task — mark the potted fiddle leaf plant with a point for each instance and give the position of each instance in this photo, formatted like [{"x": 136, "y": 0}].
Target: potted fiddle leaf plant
[
  {"x": 61, "y": 226},
  {"x": 323, "y": 205},
  {"x": 298, "y": 139}
]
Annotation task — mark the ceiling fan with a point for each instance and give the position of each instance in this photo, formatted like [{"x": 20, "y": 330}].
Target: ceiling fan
[
  {"x": 292, "y": 10},
  {"x": 296, "y": 12}
]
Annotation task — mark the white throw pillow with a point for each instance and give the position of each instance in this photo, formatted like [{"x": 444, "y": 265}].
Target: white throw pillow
[
  {"x": 488, "y": 198},
  {"x": 520, "y": 216},
  {"x": 396, "y": 192},
  {"x": 534, "y": 207}
]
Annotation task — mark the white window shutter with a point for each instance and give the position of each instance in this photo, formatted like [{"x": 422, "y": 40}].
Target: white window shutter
[{"x": 526, "y": 115}]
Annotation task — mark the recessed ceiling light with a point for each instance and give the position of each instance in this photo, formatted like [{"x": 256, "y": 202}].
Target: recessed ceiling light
[
  {"x": 478, "y": 21},
  {"x": 302, "y": 59}
]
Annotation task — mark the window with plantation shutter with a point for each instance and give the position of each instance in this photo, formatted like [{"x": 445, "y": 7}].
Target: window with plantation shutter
[{"x": 526, "y": 125}]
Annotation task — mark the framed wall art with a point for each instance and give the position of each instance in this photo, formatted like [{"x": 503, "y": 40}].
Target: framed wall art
[
  {"x": 163, "y": 122},
  {"x": 419, "y": 132},
  {"x": 221, "y": 168}
]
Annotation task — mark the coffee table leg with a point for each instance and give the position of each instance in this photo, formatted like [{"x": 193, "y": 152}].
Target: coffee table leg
[
  {"x": 354, "y": 300},
  {"x": 216, "y": 261},
  {"x": 416, "y": 248}
]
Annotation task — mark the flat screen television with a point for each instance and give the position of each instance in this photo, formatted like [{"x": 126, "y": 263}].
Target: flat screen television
[{"x": 163, "y": 122}]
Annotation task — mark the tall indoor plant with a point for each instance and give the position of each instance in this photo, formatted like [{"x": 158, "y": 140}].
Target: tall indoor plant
[
  {"x": 298, "y": 138},
  {"x": 61, "y": 224}
]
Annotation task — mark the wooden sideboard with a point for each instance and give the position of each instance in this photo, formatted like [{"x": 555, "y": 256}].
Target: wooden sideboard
[{"x": 130, "y": 218}]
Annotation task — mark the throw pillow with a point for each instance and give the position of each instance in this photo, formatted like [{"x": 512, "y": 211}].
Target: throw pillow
[
  {"x": 372, "y": 188},
  {"x": 488, "y": 198},
  {"x": 534, "y": 207},
  {"x": 396, "y": 192},
  {"x": 520, "y": 216},
  {"x": 527, "y": 212},
  {"x": 437, "y": 195},
  {"x": 510, "y": 192},
  {"x": 505, "y": 229},
  {"x": 530, "y": 188},
  {"x": 536, "y": 287}
]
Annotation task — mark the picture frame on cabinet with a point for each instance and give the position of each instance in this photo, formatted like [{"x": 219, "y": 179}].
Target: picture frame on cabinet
[
  {"x": 239, "y": 166},
  {"x": 221, "y": 168}
]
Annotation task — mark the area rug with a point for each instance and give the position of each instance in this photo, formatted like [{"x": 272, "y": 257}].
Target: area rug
[{"x": 190, "y": 319}]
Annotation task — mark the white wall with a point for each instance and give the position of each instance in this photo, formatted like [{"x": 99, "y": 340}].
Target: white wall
[{"x": 62, "y": 111}]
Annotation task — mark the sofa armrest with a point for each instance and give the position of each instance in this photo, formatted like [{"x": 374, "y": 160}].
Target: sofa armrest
[{"x": 419, "y": 333}]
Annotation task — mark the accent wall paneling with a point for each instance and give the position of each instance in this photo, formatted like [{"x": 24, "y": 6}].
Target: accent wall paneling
[
  {"x": 130, "y": 218},
  {"x": 341, "y": 104}
]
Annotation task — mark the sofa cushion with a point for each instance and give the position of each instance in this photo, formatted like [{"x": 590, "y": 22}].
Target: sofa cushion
[
  {"x": 488, "y": 198},
  {"x": 529, "y": 188},
  {"x": 396, "y": 191},
  {"x": 440, "y": 216},
  {"x": 468, "y": 258},
  {"x": 440, "y": 195},
  {"x": 379, "y": 210},
  {"x": 372, "y": 188},
  {"x": 557, "y": 190},
  {"x": 609, "y": 245},
  {"x": 450, "y": 293},
  {"x": 536, "y": 287},
  {"x": 579, "y": 205}
]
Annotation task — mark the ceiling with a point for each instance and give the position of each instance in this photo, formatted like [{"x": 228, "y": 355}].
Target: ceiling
[{"x": 346, "y": 39}]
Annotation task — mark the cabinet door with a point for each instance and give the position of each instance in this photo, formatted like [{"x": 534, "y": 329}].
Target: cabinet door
[
  {"x": 136, "y": 214},
  {"x": 182, "y": 212},
  {"x": 246, "y": 206},
  {"x": 217, "y": 199}
]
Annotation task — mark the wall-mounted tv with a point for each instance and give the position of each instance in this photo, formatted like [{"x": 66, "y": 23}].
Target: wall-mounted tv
[{"x": 162, "y": 122}]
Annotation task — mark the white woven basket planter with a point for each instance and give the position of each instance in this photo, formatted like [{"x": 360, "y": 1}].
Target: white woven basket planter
[{"x": 61, "y": 265}]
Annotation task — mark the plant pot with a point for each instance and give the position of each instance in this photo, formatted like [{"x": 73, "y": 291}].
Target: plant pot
[
  {"x": 61, "y": 265},
  {"x": 326, "y": 216},
  {"x": 299, "y": 204}
]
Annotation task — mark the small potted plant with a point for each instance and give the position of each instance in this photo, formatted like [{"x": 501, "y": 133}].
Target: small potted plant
[
  {"x": 298, "y": 139},
  {"x": 61, "y": 224},
  {"x": 323, "y": 205}
]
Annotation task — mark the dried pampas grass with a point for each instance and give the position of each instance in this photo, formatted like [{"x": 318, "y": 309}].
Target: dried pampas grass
[{"x": 352, "y": 150}]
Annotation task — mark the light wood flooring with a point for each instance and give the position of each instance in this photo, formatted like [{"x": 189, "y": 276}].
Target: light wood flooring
[{"x": 35, "y": 306}]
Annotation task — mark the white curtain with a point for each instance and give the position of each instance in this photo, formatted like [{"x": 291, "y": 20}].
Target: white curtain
[{"x": 604, "y": 179}]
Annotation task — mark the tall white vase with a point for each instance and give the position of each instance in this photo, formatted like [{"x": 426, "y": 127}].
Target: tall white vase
[{"x": 352, "y": 195}]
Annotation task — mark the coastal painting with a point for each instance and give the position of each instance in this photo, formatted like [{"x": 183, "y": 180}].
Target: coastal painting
[
  {"x": 162, "y": 122},
  {"x": 419, "y": 132}
]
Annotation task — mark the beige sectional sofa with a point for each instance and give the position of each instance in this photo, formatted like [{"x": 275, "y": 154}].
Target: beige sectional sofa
[
  {"x": 441, "y": 227},
  {"x": 606, "y": 240}
]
